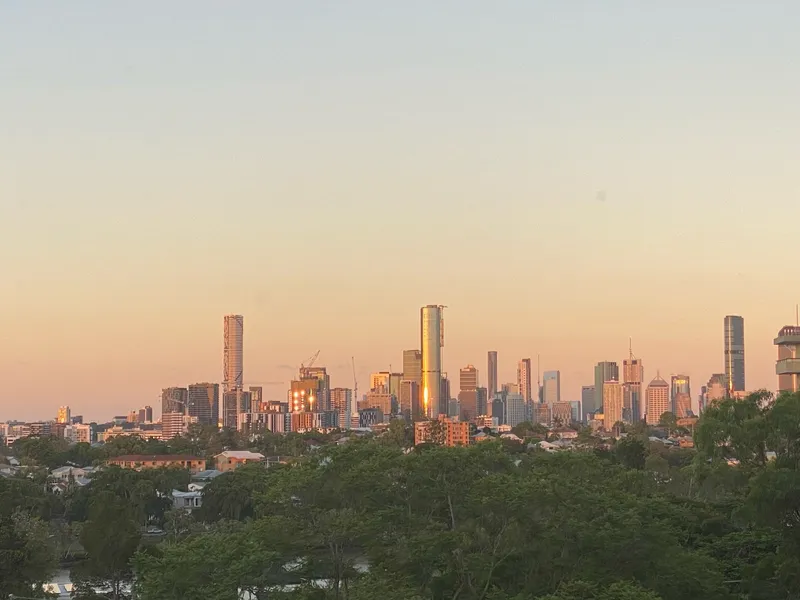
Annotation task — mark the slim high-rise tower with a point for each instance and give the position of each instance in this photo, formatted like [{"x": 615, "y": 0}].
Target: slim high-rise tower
[
  {"x": 491, "y": 383},
  {"x": 468, "y": 394},
  {"x": 432, "y": 341},
  {"x": 551, "y": 387},
  {"x": 233, "y": 353},
  {"x": 632, "y": 380},
  {"x": 734, "y": 353},
  {"x": 524, "y": 380}
]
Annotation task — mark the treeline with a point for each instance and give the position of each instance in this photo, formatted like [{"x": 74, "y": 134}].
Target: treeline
[
  {"x": 368, "y": 519},
  {"x": 202, "y": 441}
]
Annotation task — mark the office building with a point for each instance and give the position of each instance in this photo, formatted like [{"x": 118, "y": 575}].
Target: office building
[
  {"x": 444, "y": 394},
  {"x": 148, "y": 414},
  {"x": 342, "y": 404},
  {"x": 734, "y": 354},
  {"x": 431, "y": 342},
  {"x": 304, "y": 395},
  {"x": 382, "y": 400},
  {"x": 256, "y": 397},
  {"x": 682, "y": 405},
  {"x": 497, "y": 409},
  {"x": 575, "y": 407},
  {"x": 379, "y": 382},
  {"x": 612, "y": 404},
  {"x": 454, "y": 408},
  {"x": 603, "y": 371},
  {"x": 234, "y": 403},
  {"x": 632, "y": 382},
  {"x": 787, "y": 367},
  {"x": 233, "y": 352},
  {"x": 657, "y": 399},
  {"x": 408, "y": 400},
  {"x": 322, "y": 399},
  {"x": 680, "y": 393},
  {"x": 394, "y": 384},
  {"x": 525, "y": 379},
  {"x": 412, "y": 366},
  {"x": 64, "y": 415},
  {"x": 542, "y": 414},
  {"x": 483, "y": 401},
  {"x": 173, "y": 400},
  {"x": 203, "y": 403},
  {"x": 551, "y": 387},
  {"x": 515, "y": 409},
  {"x": 468, "y": 394},
  {"x": 561, "y": 413},
  {"x": 587, "y": 402},
  {"x": 716, "y": 389},
  {"x": 491, "y": 374}
]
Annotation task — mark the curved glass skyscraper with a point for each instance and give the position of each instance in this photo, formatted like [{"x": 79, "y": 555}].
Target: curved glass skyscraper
[{"x": 432, "y": 334}]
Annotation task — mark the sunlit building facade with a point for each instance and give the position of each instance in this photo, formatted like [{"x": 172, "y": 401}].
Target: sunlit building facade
[{"x": 431, "y": 343}]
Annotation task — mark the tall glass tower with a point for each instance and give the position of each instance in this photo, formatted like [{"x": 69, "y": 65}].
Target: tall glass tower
[
  {"x": 734, "y": 353},
  {"x": 432, "y": 340},
  {"x": 233, "y": 352}
]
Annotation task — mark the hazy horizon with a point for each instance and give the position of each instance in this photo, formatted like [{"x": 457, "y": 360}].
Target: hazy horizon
[{"x": 561, "y": 176}]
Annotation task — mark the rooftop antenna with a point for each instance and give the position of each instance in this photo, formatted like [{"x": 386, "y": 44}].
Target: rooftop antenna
[{"x": 797, "y": 314}]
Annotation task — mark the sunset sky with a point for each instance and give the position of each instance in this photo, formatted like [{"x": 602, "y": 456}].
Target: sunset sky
[{"x": 561, "y": 175}]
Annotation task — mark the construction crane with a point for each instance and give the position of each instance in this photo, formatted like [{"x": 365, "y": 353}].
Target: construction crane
[
  {"x": 311, "y": 360},
  {"x": 264, "y": 383}
]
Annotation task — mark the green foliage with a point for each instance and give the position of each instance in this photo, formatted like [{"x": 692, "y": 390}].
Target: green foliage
[
  {"x": 631, "y": 452},
  {"x": 232, "y": 495},
  {"x": 110, "y": 538}
]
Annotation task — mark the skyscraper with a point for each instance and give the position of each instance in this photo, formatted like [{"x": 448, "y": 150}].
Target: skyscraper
[
  {"x": 468, "y": 394},
  {"x": 174, "y": 400},
  {"x": 612, "y": 404},
  {"x": 787, "y": 367},
  {"x": 552, "y": 387},
  {"x": 412, "y": 366},
  {"x": 657, "y": 396},
  {"x": 680, "y": 395},
  {"x": 342, "y": 404},
  {"x": 233, "y": 352},
  {"x": 491, "y": 371},
  {"x": 64, "y": 415},
  {"x": 323, "y": 396},
  {"x": 203, "y": 403},
  {"x": 587, "y": 401},
  {"x": 432, "y": 340},
  {"x": 524, "y": 380},
  {"x": 734, "y": 353},
  {"x": 604, "y": 371},
  {"x": 632, "y": 378}
]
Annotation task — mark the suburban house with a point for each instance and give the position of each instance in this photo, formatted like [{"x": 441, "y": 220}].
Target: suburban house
[
  {"x": 156, "y": 461},
  {"x": 233, "y": 459},
  {"x": 187, "y": 500}
]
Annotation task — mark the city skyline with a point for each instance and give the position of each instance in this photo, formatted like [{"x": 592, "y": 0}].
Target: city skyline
[
  {"x": 508, "y": 158},
  {"x": 277, "y": 392}
]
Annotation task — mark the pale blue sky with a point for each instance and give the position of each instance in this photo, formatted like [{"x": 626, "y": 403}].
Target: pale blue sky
[{"x": 326, "y": 168}]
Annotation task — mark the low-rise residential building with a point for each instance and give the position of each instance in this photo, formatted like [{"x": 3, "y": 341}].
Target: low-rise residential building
[
  {"x": 188, "y": 501},
  {"x": 233, "y": 459},
  {"x": 445, "y": 431},
  {"x": 156, "y": 461}
]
